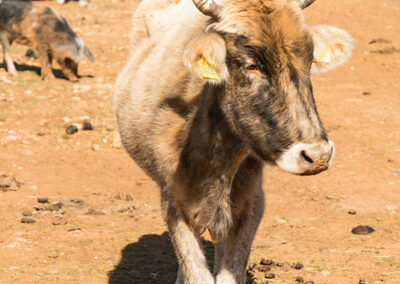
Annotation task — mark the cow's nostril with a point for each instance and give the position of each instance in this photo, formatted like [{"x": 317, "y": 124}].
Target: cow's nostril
[{"x": 306, "y": 157}]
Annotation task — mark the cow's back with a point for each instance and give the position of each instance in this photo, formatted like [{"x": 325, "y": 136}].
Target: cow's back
[{"x": 153, "y": 91}]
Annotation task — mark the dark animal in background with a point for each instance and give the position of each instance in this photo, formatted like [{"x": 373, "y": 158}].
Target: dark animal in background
[{"x": 46, "y": 32}]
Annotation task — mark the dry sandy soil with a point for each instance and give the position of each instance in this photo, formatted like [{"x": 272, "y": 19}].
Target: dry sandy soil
[{"x": 109, "y": 229}]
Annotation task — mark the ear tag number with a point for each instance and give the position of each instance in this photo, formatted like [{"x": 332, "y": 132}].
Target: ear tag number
[
  {"x": 325, "y": 57},
  {"x": 207, "y": 72}
]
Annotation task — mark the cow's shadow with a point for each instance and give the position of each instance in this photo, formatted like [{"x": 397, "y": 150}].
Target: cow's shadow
[
  {"x": 150, "y": 260},
  {"x": 37, "y": 70}
]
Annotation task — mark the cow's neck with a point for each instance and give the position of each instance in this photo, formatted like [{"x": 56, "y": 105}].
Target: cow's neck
[{"x": 207, "y": 166}]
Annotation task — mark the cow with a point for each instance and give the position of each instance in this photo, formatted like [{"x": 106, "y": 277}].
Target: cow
[
  {"x": 210, "y": 93},
  {"x": 46, "y": 32}
]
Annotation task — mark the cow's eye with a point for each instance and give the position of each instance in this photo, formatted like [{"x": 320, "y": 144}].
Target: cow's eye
[{"x": 252, "y": 67}]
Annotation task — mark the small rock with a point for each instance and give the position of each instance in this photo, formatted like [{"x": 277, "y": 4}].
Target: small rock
[
  {"x": 27, "y": 220},
  {"x": 362, "y": 281},
  {"x": 40, "y": 134},
  {"x": 366, "y": 93},
  {"x": 71, "y": 129},
  {"x": 297, "y": 266},
  {"x": 43, "y": 199},
  {"x": 94, "y": 212},
  {"x": 263, "y": 268},
  {"x": 59, "y": 221},
  {"x": 118, "y": 196},
  {"x": 73, "y": 229},
  {"x": 390, "y": 160},
  {"x": 264, "y": 261},
  {"x": 53, "y": 207},
  {"x": 95, "y": 147},
  {"x": 379, "y": 40},
  {"x": 87, "y": 126},
  {"x": 77, "y": 201},
  {"x": 128, "y": 197},
  {"x": 27, "y": 213},
  {"x": 8, "y": 183},
  {"x": 352, "y": 212},
  {"x": 31, "y": 54},
  {"x": 269, "y": 276},
  {"x": 362, "y": 230},
  {"x": 299, "y": 279}
]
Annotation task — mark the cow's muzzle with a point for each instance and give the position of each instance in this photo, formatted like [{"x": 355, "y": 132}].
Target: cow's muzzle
[{"x": 307, "y": 159}]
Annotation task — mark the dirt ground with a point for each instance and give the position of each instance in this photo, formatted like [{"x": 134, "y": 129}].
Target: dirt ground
[{"x": 109, "y": 228}]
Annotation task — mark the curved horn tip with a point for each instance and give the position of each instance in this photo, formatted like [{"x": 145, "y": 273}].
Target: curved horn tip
[
  {"x": 305, "y": 3},
  {"x": 208, "y": 7}
]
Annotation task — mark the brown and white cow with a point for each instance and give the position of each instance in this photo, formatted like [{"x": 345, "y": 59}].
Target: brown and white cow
[{"x": 211, "y": 92}]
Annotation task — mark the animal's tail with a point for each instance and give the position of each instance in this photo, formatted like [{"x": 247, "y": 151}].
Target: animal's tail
[{"x": 87, "y": 52}]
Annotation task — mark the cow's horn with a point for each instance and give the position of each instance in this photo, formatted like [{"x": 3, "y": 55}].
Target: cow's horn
[
  {"x": 208, "y": 7},
  {"x": 305, "y": 3}
]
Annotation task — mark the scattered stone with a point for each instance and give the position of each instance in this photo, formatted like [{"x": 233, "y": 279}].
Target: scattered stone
[
  {"x": 87, "y": 126},
  {"x": 77, "y": 201},
  {"x": 263, "y": 268},
  {"x": 71, "y": 129},
  {"x": 31, "y": 54},
  {"x": 95, "y": 147},
  {"x": 388, "y": 50},
  {"x": 92, "y": 211},
  {"x": 59, "y": 221},
  {"x": 40, "y": 134},
  {"x": 297, "y": 266},
  {"x": 118, "y": 196},
  {"x": 74, "y": 229},
  {"x": 366, "y": 93},
  {"x": 43, "y": 199},
  {"x": 27, "y": 213},
  {"x": 53, "y": 207},
  {"x": 128, "y": 197},
  {"x": 380, "y": 40},
  {"x": 264, "y": 261},
  {"x": 362, "y": 281},
  {"x": 362, "y": 230},
  {"x": 279, "y": 264},
  {"x": 299, "y": 279},
  {"x": 269, "y": 276},
  {"x": 9, "y": 183},
  {"x": 27, "y": 220},
  {"x": 390, "y": 160},
  {"x": 352, "y": 212}
]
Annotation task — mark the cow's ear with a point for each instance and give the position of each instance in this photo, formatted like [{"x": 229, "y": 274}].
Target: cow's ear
[
  {"x": 205, "y": 56},
  {"x": 332, "y": 47}
]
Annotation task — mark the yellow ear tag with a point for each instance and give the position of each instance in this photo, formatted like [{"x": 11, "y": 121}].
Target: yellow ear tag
[
  {"x": 325, "y": 57},
  {"x": 207, "y": 72}
]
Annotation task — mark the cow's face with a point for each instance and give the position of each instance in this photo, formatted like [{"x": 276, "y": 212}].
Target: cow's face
[{"x": 263, "y": 55}]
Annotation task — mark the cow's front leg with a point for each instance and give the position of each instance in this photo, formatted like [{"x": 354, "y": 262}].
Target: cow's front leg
[
  {"x": 232, "y": 253},
  {"x": 192, "y": 260}
]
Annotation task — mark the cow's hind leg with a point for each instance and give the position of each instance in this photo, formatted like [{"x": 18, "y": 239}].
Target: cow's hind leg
[
  {"x": 6, "y": 53},
  {"x": 232, "y": 253},
  {"x": 192, "y": 261}
]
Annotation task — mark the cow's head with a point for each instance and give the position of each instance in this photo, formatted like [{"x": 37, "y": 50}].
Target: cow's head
[{"x": 263, "y": 53}]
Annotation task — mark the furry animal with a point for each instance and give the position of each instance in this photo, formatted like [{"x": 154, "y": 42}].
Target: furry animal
[
  {"x": 211, "y": 91},
  {"x": 46, "y": 32}
]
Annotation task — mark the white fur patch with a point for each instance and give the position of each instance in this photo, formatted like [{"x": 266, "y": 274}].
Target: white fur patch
[{"x": 290, "y": 160}]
